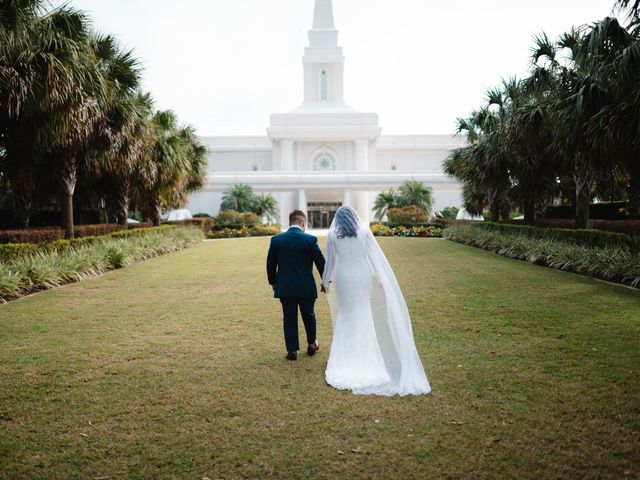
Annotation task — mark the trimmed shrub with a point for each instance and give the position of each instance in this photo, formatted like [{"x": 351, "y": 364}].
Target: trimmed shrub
[
  {"x": 407, "y": 215},
  {"x": 31, "y": 235},
  {"x": 16, "y": 250},
  {"x": 235, "y": 220},
  {"x": 81, "y": 231},
  {"x": 133, "y": 226},
  {"x": 258, "y": 231},
  {"x": 613, "y": 262},
  {"x": 205, "y": 223}
]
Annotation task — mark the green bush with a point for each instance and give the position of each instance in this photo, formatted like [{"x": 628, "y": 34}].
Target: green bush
[
  {"x": 235, "y": 220},
  {"x": 609, "y": 261},
  {"x": 407, "y": 215}
]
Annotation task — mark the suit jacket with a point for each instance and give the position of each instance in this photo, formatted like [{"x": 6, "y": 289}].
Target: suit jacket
[{"x": 290, "y": 264}]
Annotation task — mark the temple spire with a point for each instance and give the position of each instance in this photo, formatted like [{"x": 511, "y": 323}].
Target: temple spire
[{"x": 323, "y": 15}]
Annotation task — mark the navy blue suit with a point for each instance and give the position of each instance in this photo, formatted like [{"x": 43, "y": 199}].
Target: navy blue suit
[{"x": 290, "y": 261}]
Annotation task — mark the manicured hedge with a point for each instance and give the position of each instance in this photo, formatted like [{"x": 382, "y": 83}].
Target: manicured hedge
[
  {"x": 607, "y": 260},
  {"x": 580, "y": 237},
  {"x": 50, "y": 234}
]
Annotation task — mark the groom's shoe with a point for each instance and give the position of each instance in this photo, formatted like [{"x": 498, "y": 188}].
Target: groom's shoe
[
  {"x": 292, "y": 356},
  {"x": 313, "y": 348}
]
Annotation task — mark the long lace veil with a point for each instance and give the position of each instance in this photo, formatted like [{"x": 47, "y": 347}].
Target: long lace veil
[{"x": 390, "y": 313}]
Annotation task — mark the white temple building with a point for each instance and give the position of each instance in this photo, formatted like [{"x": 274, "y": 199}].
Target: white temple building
[{"x": 324, "y": 154}]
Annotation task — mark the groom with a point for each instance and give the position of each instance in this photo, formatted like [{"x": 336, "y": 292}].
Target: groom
[{"x": 290, "y": 273}]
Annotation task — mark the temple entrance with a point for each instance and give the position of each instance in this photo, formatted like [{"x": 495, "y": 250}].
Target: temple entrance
[{"x": 320, "y": 214}]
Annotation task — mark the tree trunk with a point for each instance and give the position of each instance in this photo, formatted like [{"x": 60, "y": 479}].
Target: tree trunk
[
  {"x": 634, "y": 189},
  {"x": 154, "y": 210},
  {"x": 67, "y": 215},
  {"x": 583, "y": 198},
  {"x": 122, "y": 201},
  {"x": 494, "y": 206},
  {"x": 21, "y": 182},
  {"x": 68, "y": 181},
  {"x": 530, "y": 212}
]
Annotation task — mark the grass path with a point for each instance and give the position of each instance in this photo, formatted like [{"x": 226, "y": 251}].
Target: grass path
[{"x": 174, "y": 368}]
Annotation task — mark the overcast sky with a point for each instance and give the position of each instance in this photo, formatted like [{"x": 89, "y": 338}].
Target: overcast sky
[{"x": 225, "y": 65}]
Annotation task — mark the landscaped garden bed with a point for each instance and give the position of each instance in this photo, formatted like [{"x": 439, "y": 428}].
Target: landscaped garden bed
[
  {"x": 26, "y": 268},
  {"x": 609, "y": 256}
]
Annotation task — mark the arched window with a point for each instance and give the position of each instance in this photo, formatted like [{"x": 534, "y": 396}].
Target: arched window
[
  {"x": 323, "y": 85},
  {"x": 324, "y": 162}
]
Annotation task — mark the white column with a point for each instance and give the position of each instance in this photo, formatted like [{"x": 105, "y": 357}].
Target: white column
[
  {"x": 362, "y": 155},
  {"x": 362, "y": 165},
  {"x": 287, "y": 199},
  {"x": 302, "y": 201},
  {"x": 346, "y": 199},
  {"x": 286, "y": 155}
]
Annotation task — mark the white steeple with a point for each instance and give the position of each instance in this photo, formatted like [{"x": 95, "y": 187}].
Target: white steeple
[
  {"x": 323, "y": 60},
  {"x": 323, "y": 15}
]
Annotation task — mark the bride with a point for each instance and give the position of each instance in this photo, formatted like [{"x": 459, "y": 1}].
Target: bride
[{"x": 373, "y": 351}]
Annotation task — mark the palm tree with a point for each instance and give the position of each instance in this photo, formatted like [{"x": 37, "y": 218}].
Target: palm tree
[
  {"x": 614, "y": 57},
  {"x": 174, "y": 166},
  {"x": 38, "y": 78},
  {"x": 122, "y": 138},
  {"x": 633, "y": 14},
  {"x": 414, "y": 192},
  {"x": 239, "y": 197},
  {"x": 266, "y": 207},
  {"x": 384, "y": 201}
]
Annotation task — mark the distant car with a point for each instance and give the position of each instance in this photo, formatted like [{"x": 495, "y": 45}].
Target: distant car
[{"x": 176, "y": 215}]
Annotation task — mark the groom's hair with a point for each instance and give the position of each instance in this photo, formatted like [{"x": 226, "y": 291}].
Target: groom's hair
[{"x": 297, "y": 217}]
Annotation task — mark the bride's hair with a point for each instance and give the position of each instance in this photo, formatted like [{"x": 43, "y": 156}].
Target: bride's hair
[{"x": 347, "y": 222}]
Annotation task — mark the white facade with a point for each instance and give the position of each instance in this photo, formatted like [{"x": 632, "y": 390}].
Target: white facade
[{"x": 324, "y": 154}]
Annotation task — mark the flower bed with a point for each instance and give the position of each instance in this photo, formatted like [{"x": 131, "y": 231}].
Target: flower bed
[
  {"x": 47, "y": 267},
  {"x": 424, "y": 231},
  {"x": 611, "y": 261}
]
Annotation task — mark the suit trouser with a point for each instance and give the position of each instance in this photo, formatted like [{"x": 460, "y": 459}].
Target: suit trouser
[{"x": 290, "y": 308}]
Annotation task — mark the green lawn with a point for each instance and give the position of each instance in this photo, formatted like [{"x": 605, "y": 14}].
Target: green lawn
[{"x": 174, "y": 368}]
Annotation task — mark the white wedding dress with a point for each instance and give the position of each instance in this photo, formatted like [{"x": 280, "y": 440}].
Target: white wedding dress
[{"x": 373, "y": 350}]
